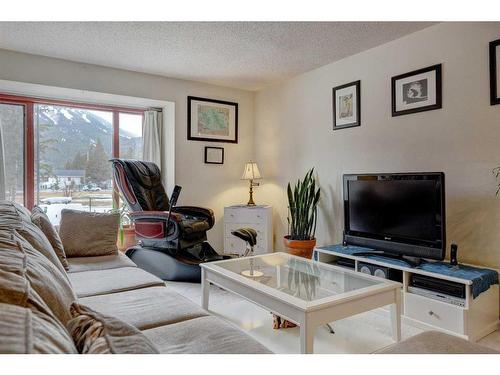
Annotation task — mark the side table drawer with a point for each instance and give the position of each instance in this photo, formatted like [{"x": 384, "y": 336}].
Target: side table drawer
[
  {"x": 435, "y": 313},
  {"x": 244, "y": 216},
  {"x": 234, "y": 246}
]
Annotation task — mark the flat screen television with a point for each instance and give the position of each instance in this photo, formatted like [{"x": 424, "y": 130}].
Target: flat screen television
[{"x": 400, "y": 214}]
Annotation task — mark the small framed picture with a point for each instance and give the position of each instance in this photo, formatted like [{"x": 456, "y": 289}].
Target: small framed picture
[
  {"x": 417, "y": 91},
  {"x": 494, "y": 73},
  {"x": 212, "y": 120},
  {"x": 214, "y": 155},
  {"x": 346, "y": 100}
]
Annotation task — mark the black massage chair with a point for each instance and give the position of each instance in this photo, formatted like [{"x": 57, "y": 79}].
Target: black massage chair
[{"x": 171, "y": 239}]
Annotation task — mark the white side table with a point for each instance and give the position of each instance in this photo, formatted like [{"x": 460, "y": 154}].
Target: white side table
[{"x": 259, "y": 218}]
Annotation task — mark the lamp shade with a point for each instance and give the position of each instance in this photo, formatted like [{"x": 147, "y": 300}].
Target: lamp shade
[{"x": 251, "y": 171}]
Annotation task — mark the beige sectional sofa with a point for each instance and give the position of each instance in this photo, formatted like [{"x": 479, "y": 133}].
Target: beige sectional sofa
[
  {"x": 433, "y": 342},
  {"x": 111, "y": 285}
]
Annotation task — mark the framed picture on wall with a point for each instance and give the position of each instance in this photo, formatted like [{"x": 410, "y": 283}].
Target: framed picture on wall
[
  {"x": 494, "y": 73},
  {"x": 212, "y": 120},
  {"x": 417, "y": 91},
  {"x": 346, "y": 102},
  {"x": 214, "y": 155}
]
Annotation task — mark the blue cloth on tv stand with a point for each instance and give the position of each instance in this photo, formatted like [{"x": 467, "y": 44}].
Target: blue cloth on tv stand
[{"x": 482, "y": 278}]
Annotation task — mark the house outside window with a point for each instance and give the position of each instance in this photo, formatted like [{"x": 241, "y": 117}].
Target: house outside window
[{"x": 56, "y": 154}]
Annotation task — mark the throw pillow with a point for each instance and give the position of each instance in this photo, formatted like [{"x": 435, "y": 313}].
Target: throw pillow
[
  {"x": 41, "y": 220},
  {"x": 15, "y": 216},
  {"x": 85, "y": 234},
  {"x": 29, "y": 279},
  {"x": 94, "y": 333}
]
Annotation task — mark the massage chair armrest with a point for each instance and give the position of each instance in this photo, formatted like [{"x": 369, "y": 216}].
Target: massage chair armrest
[
  {"x": 155, "y": 215},
  {"x": 200, "y": 212}
]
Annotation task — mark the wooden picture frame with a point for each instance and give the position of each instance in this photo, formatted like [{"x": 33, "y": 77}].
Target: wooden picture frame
[
  {"x": 417, "y": 91},
  {"x": 346, "y": 105},
  {"x": 211, "y": 120},
  {"x": 214, "y": 155},
  {"x": 494, "y": 74}
]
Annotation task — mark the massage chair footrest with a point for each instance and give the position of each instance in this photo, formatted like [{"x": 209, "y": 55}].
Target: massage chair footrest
[{"x": 185, "y": 266}]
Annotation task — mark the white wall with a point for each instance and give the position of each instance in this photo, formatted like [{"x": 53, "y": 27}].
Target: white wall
[
  {"x": 293, "y": 132},
  {"x": 205, "y": 185}
]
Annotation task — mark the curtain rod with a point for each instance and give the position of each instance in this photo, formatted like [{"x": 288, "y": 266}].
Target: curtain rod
[{"x": 155, "y": 109}]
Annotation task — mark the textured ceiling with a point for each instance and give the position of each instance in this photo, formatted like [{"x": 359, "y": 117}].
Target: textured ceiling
[{"x": 246, "y": 55}]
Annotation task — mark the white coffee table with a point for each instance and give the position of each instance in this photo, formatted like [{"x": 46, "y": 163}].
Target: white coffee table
[{"x": 303, "y": 291}]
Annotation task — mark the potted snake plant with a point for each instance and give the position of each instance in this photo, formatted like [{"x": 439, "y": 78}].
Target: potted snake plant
[{"x": 303, "y": 201}]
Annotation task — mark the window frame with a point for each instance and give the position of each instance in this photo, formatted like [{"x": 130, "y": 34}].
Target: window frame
[{"x": 29, "y": 134}]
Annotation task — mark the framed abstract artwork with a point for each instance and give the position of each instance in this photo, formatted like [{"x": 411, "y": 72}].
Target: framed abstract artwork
[
  {"x": 417, "y": 91},
  {"x": 212, "y": 120},
  {"x": 214, "y": 155},
  {"x": 346, "y": 100},
  {"x": 494, "y": 73}
]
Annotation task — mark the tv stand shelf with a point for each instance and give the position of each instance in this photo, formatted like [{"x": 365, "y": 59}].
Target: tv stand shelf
[{"x": 477, "y": 317}]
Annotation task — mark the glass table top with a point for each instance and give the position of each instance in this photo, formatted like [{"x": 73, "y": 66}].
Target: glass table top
[{"x": 298, "y": 277}]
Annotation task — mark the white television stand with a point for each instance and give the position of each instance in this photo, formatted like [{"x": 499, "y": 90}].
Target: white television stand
[{"x": 476, "y": 319}]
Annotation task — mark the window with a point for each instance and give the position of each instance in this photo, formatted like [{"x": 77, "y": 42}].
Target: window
[
  {"x": 68, "y": 147},
  {"x": 12, "y": 152},
  {"x": 130, "y": 136}
]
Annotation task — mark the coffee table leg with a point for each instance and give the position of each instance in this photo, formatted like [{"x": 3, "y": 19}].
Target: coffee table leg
[
  {"x": 306, "y": 338},
  {"x": 396, "y": 317},
  {"x": 205, "y": 289}
]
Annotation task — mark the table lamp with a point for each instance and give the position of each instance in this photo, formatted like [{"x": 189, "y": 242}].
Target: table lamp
[{"x": 251, "y": 173}]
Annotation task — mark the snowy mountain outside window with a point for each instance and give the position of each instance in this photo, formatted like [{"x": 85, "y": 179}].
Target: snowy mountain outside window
[{"x": 72, "y": 151}]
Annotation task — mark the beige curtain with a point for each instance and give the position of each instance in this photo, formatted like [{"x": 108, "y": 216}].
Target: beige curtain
[{"x": 152, "y": 135}]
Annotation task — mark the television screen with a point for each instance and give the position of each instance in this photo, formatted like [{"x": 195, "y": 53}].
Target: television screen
[
  {"x": 394, "y": 208},
  {"x": 398, "y": 208}
]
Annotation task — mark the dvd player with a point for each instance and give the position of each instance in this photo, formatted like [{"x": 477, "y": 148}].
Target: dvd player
[
  {"x": 437, "y": 296},
  {"x": 439, "y": 286}
]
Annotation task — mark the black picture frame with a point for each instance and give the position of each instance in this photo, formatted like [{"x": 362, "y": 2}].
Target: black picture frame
[
  {"x": 439, "y": 91},
  {"x": 207, "y": 148},
  {"x": 190, "y": 137},
  {"x": 494, "y": 94},
  {"x": 357, "y": 86}
]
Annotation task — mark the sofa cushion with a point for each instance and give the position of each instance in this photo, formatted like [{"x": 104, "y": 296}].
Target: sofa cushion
[
  {"x": 98, "y": 263},
  {"x": 38, "y": 274},
  {"x": 13, "y": 216},
  {"x": 204, "y": 335},
  {"x": 24, "y": 331},
  {"x": 41, "y": 220},
  {"x": 85, "y": 234},
  {"x": 433, "y": 342},
  {"x": 95, "y": 333},
  {"x": 93, "y": 283},
  {"x": 14, "y": 287},
  {"x": 146, "y": 308}
]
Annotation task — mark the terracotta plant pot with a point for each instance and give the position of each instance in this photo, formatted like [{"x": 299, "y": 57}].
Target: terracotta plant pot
[
  {"x": 301, "y": 248},
  {"x": 128, "y": 238}
]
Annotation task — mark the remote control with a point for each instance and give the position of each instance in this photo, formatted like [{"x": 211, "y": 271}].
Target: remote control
[
  {"x": 453, "y": 255},
  {"x": 172, "y": 203}
]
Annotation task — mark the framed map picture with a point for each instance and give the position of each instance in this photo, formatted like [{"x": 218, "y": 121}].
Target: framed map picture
[
  {"x": 416, "y": 91},
  {"x": 346, "y": 101},
  {"x": 212, "y": 120}
]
